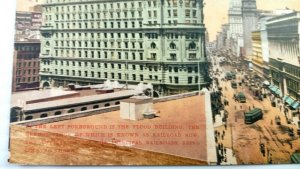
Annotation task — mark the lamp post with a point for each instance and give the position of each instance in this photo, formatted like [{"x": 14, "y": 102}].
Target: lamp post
[
  {"x": 199, "y": 86},
  {"x": 126, "y": 74}
]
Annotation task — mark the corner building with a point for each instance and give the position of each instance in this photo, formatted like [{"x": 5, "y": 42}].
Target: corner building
[{"x": 159, "y": 41}]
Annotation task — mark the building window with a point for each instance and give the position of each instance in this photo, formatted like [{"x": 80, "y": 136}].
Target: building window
[
  {"x": 44, "y": 115},
  {"x": 190, "y": 80},
  {"x": 142, "y": 77},
  {"x": 172, "y": 45},
  {"x": 57, "y": 113},
  {"x": 176, "y": 80}
]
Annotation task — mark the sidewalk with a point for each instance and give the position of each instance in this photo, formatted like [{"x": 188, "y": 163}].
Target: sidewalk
[{"x": 230, "y": 158}]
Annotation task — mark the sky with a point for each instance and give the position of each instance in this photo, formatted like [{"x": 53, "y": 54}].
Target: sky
[{"x": 215, "y": 11}]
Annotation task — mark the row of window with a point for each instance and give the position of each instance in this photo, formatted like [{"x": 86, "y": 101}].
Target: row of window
[
  {"x": 292, "y": 84},
  {"x": 27, "y": 72},
  {"x": 98, "y": 6},
  {"x": 92, "y": 74},
  {"x": 28, "y": 56},
  {"x": 91, "y": 36},
  {"x": 120, "y": 76},
  {"x": 293, "y": 70},
  {"x": 98, "y": 35},
  {"x": 28, "y": 79},
  {"x": 118, "y": 5},
  {"x": 98, "y": 54},
  {"x": 44, "y": 115},
  {"x": 188, "y": 3},
  {"x": 27, "y": 48},
  {"x": 98, "y": 25},
  {"x": 118, "y": 66},
  {"x": 95, "y": 16},
  {"x": 28, "y": 64},
  {"x": 98, "y": 44}
]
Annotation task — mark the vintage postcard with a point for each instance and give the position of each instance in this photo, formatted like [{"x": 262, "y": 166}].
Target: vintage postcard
[{"x": 156, "y": 82}]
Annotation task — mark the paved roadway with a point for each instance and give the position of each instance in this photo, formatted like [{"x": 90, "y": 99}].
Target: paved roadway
[{"x": 245, "y": 140}]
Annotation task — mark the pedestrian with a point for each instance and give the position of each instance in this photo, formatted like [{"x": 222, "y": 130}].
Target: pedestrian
[
  {"x": 249, "y": 108},
  {"x": 225, "y": 126},
  {"x": 291, "y": 145}
]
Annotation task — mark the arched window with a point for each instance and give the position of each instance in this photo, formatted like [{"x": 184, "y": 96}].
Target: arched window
[
  {"x": 172, "y": 45},
  {"x": 95, "y": 106},
  {"x": 71, "y": 111},
  {"x": 153, "y": 45},
  {"x": 28, "y": 118},
  {"x": 106, "y": 105},
  {"x": 192, "y": 45},
  {"x": 117, "y": 103},
  {"x": 83, "y": 108},
  {"x": 47, "y": 43},
  {"x": 44, "y": 115},
  {"x": 57, "y": 113}
]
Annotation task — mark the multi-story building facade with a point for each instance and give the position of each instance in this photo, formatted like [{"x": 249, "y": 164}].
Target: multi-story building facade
[
  {"x": 159, "y": 41},
  {"x": 236, "y": 26},
  {"x": 26, "y": 66},
  {"x": 283, "y": 37},
  {"x": 28, "y": 25},
  {"x": 250, "y": 19},
  {"x": 260, "y": 52},
  {"x": 257, "y": 58}
]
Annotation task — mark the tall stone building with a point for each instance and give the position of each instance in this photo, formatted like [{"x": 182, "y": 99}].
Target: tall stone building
[
  {"x": 159, "y": 41},
  {"x": 236, "y": 26},
  {"x": 284, "y": 47},
  {"x": 250, "y": 19}
]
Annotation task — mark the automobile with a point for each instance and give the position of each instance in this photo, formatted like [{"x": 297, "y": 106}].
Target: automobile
[
  {"x": 240, "y": 97},
  {"x": 291, "y": 132},
  {"x": 277, "y": 120},
  {"x": 234, "y": 85},
  {"x": 262, "y": 148}
]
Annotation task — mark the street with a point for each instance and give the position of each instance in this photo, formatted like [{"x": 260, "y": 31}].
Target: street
[{"x": 261, "y": 142}]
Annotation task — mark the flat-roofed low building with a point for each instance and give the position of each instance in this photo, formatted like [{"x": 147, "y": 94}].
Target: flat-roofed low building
[
  {"x": 46, "y": 104},
  {"x": 181, "y": 134}
]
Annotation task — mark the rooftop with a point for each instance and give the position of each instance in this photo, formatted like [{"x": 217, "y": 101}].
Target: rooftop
[
  {"x": 21, "y": 98},
  {"x": 179, "y": 129},
  {"x": 80, "y": 100}
]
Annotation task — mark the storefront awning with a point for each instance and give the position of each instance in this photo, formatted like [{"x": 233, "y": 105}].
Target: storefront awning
[
  {"x": 284, "y": 98},
  {"x": 295, "y": 105},
  {"x": 267, "y": 83},
  {"x": 289, "y": 101},
  {"x": 278, "y": 92},
  {"x": 273, "y": 88},
  {"x": 270, "y": 87}
]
